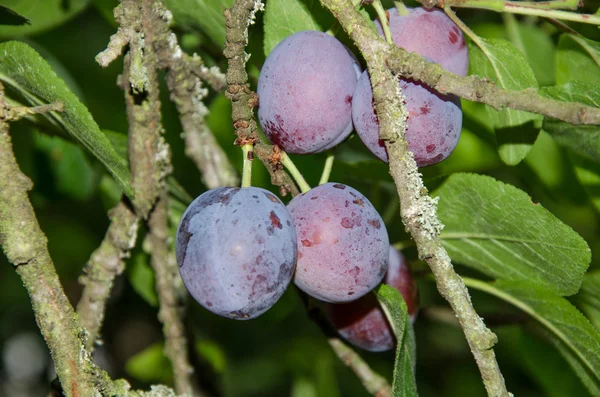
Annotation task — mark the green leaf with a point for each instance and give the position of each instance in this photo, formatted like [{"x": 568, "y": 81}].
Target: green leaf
[
  {"x": 42, "y": 15},
  {"x": 393, "y": 305},
  {"x": 588, "y": 298},
  {"x": 588, "y": 174},
  {"x": 568, "y": 330},
  {"x": 501, "y": 62},
  {"x": 73, "y": 174},
  {"x": 496, "y": 229},
  {"x": 577, "y": 58},
  {"x": 150, "y": 365},
  {"x": 536, "y": 45},
  {"x": 583, "y": 139},
  {"x": 25, "y": 71},
  {"x": 207, "y": 14},
  {"x": 286, "y": 17},
  {"x": 10, "y": 17},
  {"x": 213, "y": 353},
  {"x": 141, "y": 277}
]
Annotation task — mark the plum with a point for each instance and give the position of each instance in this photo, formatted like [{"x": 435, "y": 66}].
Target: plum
[
  {"x": 342, "y": 243},
  {"x": 305, "y": 93},
  {"x": 236, "y": 249},
  {"x": 362, "y": 322}
]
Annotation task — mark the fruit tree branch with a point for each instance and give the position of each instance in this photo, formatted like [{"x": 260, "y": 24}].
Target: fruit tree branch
[
  {"x": 25, "y": 246},
  {"x": 237, "y": 20},
  {"x": 105, "y": 263},
  {"x": 418, "y": 210},
  {"x": 184, "y": 74},
  {"x": 479, "y": 89},
  {"x": 149, "y": 158}
]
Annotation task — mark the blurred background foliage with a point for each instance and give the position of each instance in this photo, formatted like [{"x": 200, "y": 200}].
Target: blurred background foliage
[{"x": 282, "y": 353}]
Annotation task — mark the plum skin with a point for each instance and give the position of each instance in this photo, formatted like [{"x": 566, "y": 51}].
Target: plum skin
[
  {"x": 363, "y": 323},
  {"x": 431, "y": 34},
  {"x": 305, "y": 92},
  {"x": 237, "y": 250},
  {"x": 434, "y": 120},
  {"x": 433, "y": 125},
  {"x": 342, "y": 243}
]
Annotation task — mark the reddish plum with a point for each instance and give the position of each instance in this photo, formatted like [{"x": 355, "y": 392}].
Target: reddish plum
[
  {"x": 342, "y": 243},
  {"x": 363, "y": 323},
  {"x": 305, "y": 93}
]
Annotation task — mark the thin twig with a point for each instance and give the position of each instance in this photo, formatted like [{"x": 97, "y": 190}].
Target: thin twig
[
  {"x": 184, "y": 74},
  {"x": 171, "y": 293},
  {"x": 149, "y": 157},
  {"x": 105, "y": 263},
  {"x": 418, "y": 210},
  {"x": 237, "y": 19}
]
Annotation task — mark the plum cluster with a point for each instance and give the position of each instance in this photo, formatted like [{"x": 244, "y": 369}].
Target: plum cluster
[
  {"x": 312, "y": 91},
  {"x": 238, "y": 249}
]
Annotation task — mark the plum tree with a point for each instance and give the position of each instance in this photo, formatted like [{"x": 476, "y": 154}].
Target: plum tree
[
  {"x": 305, "y": 93},
  {"x": 362, "y": 322},
  {"x": 434, "y": 120},
  {"x": 236, "y": 249},
  {"x": 342, "y": 243}
]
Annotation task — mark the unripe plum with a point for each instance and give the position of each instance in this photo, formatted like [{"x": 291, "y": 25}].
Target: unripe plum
[
  {"x": 433, "y": 125},
  {"x": 342, "y": 243},
  {"x": 305, "y": 93},
  {"x": 363, "y": 323},
  {"x": 431, "y": 34},
  {"x": 236, "y": 249}
]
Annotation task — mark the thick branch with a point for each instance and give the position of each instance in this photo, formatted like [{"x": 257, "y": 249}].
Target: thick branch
[
  {"x": 105, "y": 264},
  {"x": 171, "y": 293},
  {"x": 478, "y": 89},
  {"x": 183, "y": 78},
  {"x": 418, "y": 210},
  {"x": 25, "y": 246}
]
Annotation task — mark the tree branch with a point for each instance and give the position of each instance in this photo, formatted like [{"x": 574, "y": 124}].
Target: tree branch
[
  {"x": 183, "y": 79},
  {"x": 149, "y": 158},
  {"x": 478, "y": 89},
  {"x": 237, "y": 19},
  {"x": 171, "y": 293},
  {"x": 25, "y": 246},
  {"x": 105, "y": 263},
  {"x": 418, "y": 210}
]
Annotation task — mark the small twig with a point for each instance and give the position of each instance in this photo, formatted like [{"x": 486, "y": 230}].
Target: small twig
[
  {"x": 104, "y": 265},
  {"x": 327, "y": 167},
  {"x": 184, "y": 74},
  {"x": 171, "y": 293}
]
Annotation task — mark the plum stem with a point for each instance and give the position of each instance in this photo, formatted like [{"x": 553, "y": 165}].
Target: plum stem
[
  {"x": 248, "y": 153},
  {"x": 476, "y": 39},
  {"x": 327, "y": 167},
  {"x": 401, "y": 9},
  {"x": 383, "y": 19},
  {"x": 296, "y": 174}
]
